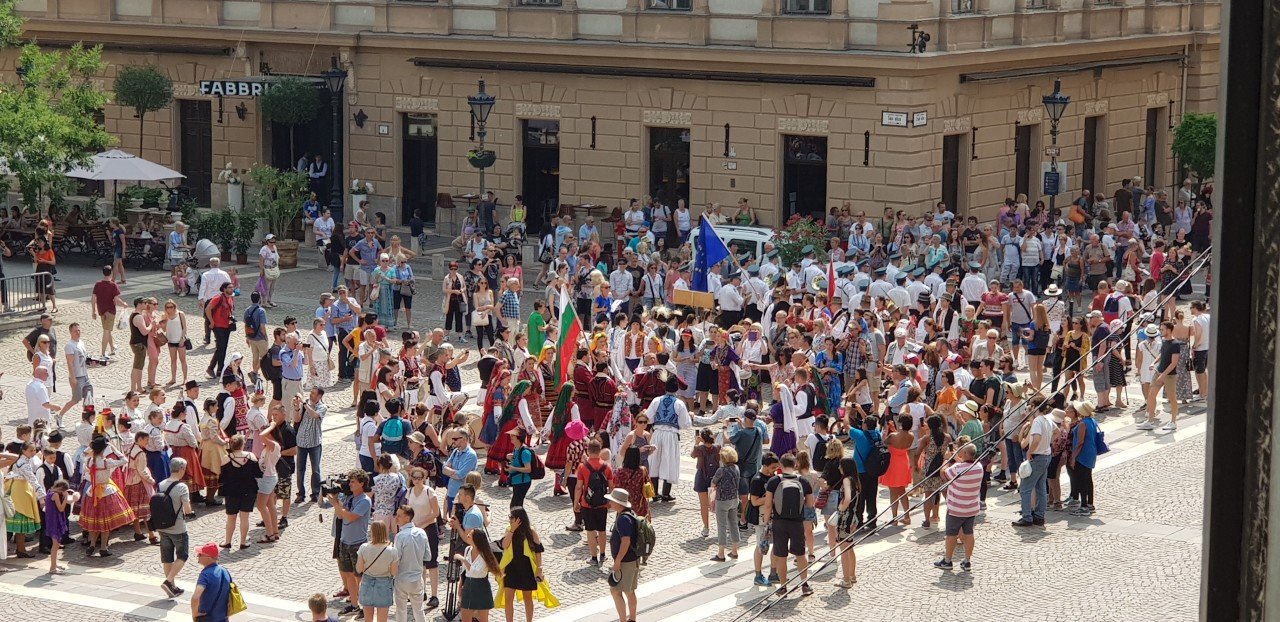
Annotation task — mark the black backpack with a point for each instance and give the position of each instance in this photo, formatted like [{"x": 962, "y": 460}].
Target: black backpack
[
  {"x": 877, "y": 463},
  {"x": 163, "y": 516},
  {"x": 537, "y": 469},
  {"x": 269, "y": 371},
  {"x": 788, "y": 498},
  {"x": 820, "y": 453},
  {"x": 597, "y": 486}
]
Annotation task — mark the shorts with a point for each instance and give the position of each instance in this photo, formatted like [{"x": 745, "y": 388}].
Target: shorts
[
  {"x": 284, "y": 487},
  {"x": 267, "y": 484},
  {"x": 351, "y": 272},
  {"x": 84, "y": 386},
  {"x": 701, "y": 483},
  {"x": 347, "y": 557},
  {"x": 173, "y": 546},
  {"x": 257, "y": 348},
  {"x": 810, "y": 514},
  {"x": 108, "y": 322},
  {"x": 957, "y": 524},
  {"x": 788, "y": 537},
  {"x": 239, "y": 503},
  {"x": 744, "y": 484},
  {"x": 762, "y": 538},
  {"x": 362, "y": 277},
  {"x": 139, "y": 351},
  {"x": 1015, "y": 334},
  {"x": 595, "y": 519},
  {"x": 630, "y": 577},
  {"x": 1200, "y": 361}
]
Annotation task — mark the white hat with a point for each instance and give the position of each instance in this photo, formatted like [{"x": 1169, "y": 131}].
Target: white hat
[
  {"x": 620, "y": 497},
  {"x": 234, "y": 356},
  {"x": 268, "y": 237},
  {"x": 1151, "y": 331},
  {"x": 900, "y": 333}
]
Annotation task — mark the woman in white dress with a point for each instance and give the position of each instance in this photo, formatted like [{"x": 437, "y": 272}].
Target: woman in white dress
[{"x": 175, "y": 333}]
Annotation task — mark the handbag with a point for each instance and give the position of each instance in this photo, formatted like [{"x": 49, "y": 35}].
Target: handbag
[
  {"x": 235, "y": 602},
  {"x": 272, "y": 273},
  {"x": 9, "y": 509},
  {"x": 479, "y": 318},
  {"x": 186, "y": 344},
  {"x": 823, "y": 497},
  {"x": 373, "y": 295},
  {"x": 649, "y": 491}
]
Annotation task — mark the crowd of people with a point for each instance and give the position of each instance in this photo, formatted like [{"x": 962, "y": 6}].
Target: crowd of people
[{"x": 803, "y": 397}]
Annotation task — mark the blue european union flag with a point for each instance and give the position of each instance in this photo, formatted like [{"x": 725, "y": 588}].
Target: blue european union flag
[{"x": 708, "y": 251}]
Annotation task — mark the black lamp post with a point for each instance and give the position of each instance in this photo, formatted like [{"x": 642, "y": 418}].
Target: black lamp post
[
  {"x": 1056, "y": 105},
  {"x": 481, "y": 105},
  {"x": 335, "y": 78}
]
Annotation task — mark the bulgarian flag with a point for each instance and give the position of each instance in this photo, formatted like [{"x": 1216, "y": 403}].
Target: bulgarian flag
[{"x": 570, "y": 334}]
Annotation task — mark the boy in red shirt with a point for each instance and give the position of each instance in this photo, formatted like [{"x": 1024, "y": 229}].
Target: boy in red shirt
[{"x": 595, "y": 480}]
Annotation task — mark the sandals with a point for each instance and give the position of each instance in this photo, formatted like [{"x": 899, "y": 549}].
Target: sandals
[
  {"x": 226, "y": 545},
  {"x": 267, "y": 540},
  {"x": 244, "y": 546}
]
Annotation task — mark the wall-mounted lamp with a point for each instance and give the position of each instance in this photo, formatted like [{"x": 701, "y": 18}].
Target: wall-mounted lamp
[
  {"x": 919, "y": 39},
  {"x": 360, "y": 118},
  {"x": 866, "y": 148},
  {"x": 241, "y": 111},
  {"x": 593, "y": 132},
  {"x": 973, "y": 143}
]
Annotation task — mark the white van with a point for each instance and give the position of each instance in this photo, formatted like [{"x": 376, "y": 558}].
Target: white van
[{"x": 750, "y": 240}]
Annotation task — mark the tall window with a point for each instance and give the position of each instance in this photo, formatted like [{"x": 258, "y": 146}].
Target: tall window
[
  {"x": 674, "y": 5},
  {"x": 1089, "y": 163},
  {"x": 807, "y": 7}
]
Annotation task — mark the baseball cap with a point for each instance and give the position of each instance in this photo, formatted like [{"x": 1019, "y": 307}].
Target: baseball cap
[{"x": 209, "y": 549}]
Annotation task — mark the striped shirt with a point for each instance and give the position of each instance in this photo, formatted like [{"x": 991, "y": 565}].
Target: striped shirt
[{"x": 962, "y": 496}]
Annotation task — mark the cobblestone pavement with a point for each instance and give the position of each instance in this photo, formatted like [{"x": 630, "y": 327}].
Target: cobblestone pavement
[{"x": 1150, "y": 502}]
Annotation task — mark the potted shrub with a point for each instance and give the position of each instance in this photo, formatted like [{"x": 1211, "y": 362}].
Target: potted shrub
[
  {"x": 277, "y": 199},
  {"x": 482, "y": 159},
  {"x": 244, "y": 225}
]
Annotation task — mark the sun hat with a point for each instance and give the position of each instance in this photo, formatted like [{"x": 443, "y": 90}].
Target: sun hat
[
  {"x": 576, "y": 430},
  {"x": 620, "y": 497}
]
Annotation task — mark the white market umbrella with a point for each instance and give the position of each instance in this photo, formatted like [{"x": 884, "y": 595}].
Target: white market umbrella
[{"x": 116, "y": 165}]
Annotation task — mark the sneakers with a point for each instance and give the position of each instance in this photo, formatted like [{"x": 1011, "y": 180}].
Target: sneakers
[
  {"x": 706, "y": 533},
  {"x": 944, "y": 564},
  {"x": 773, "y": 576},
  {"x": 1023, "y": 523},
  {"x": 168, "y": 590},
  {"x": 595, "y": 561},
  {"x": 966, "y": 566},
  {"x": 805, "y": 590},
  {"x": 1146, "y": 425},
  {"x": 433, "y": 602},
  {"x": 760, "y": 580},
  {"x": 781, "y": 592},
  {"x": 1171, "y": 426}
]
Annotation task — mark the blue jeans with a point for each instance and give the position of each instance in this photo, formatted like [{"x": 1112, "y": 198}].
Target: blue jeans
[
  {"x": 312, "y": 454},
  {"x": 1030, "y": 276},
  {"x": 1038, "y": 483},
  {"x": 1120, "y": 252},
  {"x": 1014, "y": 450},
  {"x": 367, "y": 465}
]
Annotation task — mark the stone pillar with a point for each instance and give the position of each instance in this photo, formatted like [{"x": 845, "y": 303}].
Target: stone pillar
[{"x": 1240, "y": 498}]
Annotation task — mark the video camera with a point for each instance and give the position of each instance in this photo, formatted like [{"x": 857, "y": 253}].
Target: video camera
[{"x": 339, "y": 483}]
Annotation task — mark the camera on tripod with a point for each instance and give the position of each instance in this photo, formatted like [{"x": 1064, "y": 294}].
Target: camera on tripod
[{"x": 339, "y": 483}]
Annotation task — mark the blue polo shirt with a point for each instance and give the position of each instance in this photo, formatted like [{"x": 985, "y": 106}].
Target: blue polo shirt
[
  {"x": 368, "y": 254},
  {"x": 216, "y": 582},
  {"x": 340, "y": 309}
]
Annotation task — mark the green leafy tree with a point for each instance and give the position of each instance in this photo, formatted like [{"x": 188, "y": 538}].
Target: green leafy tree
[
  {"x": 47, "y": 119},
  {"x": 145, "y": 89},
  {"x": 292, "y": 102},
  {"x": 1195, "y": 143},
  {"x": 277, "y": 197}
]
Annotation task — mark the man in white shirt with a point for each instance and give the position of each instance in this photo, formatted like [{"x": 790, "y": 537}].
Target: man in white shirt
[
  {"x": 770, "y": 269},
  {"x": 634, "y": 219},
  {"x": 898, "y": 293},
  {"x": 795, "y": 283},
  {"x": 730, "y": 299},
  {"x": 1200, "y": 346},
  {"x": 880, "y": 287},
  {"x": 1017, "y": 316},
  {"x": 37, "y": 394},
  {"x": 757, "y": 293},
  {"x": 77, "y": 365},
  {"x": 845, "y": 289},
  {"x": 682, "y": 279},
  {"x": 660, "y": 215},
  {"x": 916, "y": 286},
  {"x": 974, "y": 284},
  {"x": 210, "y": 284},
  {"x": 714, "y": 280},
  {"x": 621, "y": 281},
  {"x": 1036, "y": 444}
]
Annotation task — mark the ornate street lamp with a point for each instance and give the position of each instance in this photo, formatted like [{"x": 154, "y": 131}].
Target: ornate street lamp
[
  {"x": 481, "y": 105},
  {"x": 1056, "y": 105},
  {"x": 335, "y": 78}
]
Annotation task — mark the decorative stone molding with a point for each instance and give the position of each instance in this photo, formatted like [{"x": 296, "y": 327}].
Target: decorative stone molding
[
  {"x": 1031, "y": 115},
  {"x": 666, "y": 117},
  {"x": 1096, "y": 107},
  {"x": 807, "y": 126},
  {"x": 544, "y": 111},
  {"x": 1155, "y": 100},
  {"x": 959, "y": 124},
  {"x": 417, "y": 104},
  {"x": 187, "y": 91}
]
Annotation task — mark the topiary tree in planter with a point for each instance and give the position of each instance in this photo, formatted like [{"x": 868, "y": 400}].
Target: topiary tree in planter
[
  {"x": 293, "y": 102},
  {"x": 1195, "y": 144},
  {"x": 145, "y": 89},
  {"x": 277, "y": 197}
]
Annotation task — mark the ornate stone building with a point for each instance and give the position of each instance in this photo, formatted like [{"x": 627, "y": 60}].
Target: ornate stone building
[{"x": 796, "y": 105}]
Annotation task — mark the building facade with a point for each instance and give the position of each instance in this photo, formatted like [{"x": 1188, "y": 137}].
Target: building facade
[{"x": 795, "y": 105}]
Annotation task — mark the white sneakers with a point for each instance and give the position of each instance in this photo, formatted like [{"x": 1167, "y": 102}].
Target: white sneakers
[
  {"x": 1171, "y": 426},
  {"x": 1146, "y": 425}
]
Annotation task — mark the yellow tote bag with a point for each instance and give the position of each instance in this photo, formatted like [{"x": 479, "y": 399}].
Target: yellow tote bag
[{"x": 235, "y": 602}]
